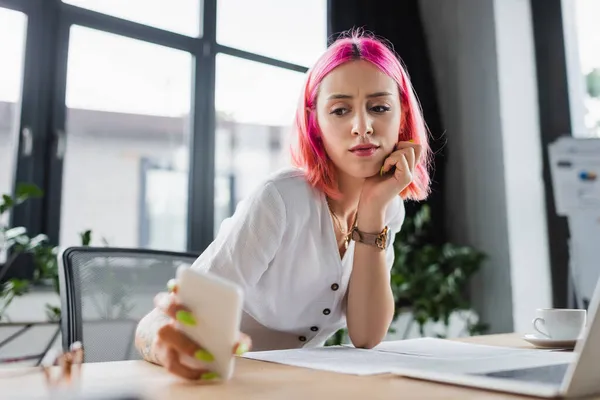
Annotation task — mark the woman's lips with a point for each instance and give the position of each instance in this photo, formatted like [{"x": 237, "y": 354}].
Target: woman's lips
[{"x": 364, "y": 150}]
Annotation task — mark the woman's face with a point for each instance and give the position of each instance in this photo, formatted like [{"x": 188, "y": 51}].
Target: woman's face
[{"x": 359, "y": 115}]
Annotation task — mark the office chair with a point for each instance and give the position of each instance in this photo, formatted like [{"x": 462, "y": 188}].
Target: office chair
[{"x": 105, "y": 291}]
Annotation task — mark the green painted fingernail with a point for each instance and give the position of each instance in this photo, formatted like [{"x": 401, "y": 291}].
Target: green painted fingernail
[
  {"x": 171, "y": 285},
  {"x": 381, "y": 172},
  {"x": 185, "y": 318},
  {"x": 241, "y": 349},
  {"x": 209, "y": 376},
  {"x": 204, "y": 355}
]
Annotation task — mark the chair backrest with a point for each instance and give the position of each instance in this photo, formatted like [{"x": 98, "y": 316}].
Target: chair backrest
[{"x": 105, "y": 291}]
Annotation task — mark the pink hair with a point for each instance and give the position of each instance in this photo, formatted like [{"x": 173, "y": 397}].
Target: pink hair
[{"x": 310, "y": 154}]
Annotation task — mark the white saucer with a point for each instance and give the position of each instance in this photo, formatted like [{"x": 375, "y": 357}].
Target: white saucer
[{"x": 545, "y": 343}]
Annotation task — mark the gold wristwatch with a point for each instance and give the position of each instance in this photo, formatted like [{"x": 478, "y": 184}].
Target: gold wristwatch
[{"x": 379, "y": 240}]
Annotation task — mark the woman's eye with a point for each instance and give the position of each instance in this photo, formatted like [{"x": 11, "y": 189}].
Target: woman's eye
[
  {"x": 339, "y": 111},
  {"x": 380, "y": 109}
]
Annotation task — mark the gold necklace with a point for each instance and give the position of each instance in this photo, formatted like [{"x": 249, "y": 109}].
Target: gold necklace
[{"x": 347, "y": 235}]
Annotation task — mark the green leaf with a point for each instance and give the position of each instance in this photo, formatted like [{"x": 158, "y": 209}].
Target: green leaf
[
  {"x": 23, "y": 240},
  {"x": 26, "y": 191},
  {"x": 7, "y": 203},
  {"x": 592, "y": 80},
  {"x": 38, "y": 241},
  {"x": 17, "y": 286},
  {"x": 13, "y": 233},
  {"x": 53, "y": 313},
  {"x": 337, "y": 338},
  {"x": 422, "y": 218},
  {"x": 86, "y": 237}
]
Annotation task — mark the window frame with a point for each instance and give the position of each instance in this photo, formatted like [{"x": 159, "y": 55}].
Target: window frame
[{"x": 45, "y": 71}]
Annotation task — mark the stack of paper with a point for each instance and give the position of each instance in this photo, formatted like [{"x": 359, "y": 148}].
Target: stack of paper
[{"x": 428, "y": 353}]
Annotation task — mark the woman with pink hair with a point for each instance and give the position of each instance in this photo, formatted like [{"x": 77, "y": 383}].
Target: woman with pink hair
[{"x": 312, "y": 246}]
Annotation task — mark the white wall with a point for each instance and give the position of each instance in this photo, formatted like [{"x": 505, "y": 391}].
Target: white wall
[
  {"x": 523, "y": 162},
  {"x": 484, "y": 65}
]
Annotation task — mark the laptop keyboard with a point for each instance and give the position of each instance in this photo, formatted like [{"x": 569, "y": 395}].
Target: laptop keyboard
[{"x": 552, "y": 374}]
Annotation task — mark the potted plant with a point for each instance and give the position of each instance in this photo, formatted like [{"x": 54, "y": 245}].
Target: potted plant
[
  {"x": 16, "y": 244},
  {"x": 430, "y": 281}
]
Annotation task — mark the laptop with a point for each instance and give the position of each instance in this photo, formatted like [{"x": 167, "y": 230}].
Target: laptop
[{"x": 581, "y": 377}]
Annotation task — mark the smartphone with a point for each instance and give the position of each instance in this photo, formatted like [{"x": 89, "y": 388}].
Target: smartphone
[{"x": 216, "y": 304}]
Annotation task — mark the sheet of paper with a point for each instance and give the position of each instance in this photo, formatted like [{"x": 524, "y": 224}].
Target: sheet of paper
[
  {"x": 341, "y": 359},
  {"x": 447, "y": 349},
  {"x": 446, "y": 358}
]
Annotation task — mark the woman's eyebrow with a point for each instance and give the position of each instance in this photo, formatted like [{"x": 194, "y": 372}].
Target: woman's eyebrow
[{"x": 338, "y": 96}]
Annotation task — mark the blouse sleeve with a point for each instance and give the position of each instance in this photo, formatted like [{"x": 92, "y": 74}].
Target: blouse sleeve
[
  {"x": 394, "y": 226},
  {"x": 248, "y": 241}
]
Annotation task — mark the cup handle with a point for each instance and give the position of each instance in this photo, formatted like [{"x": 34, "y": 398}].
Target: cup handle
[{"x": 541, "y": 322}]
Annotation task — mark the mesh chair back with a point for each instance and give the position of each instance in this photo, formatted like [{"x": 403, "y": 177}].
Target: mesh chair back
[{"x": 106, "y": 291}]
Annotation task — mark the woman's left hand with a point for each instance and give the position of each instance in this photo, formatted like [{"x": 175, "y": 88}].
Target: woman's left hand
[{"x": 380, "y": 189}]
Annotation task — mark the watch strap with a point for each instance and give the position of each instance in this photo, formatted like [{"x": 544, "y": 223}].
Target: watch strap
[{"x": 379, "y": 240}]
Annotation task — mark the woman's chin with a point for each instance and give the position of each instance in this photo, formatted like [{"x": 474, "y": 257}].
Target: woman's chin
[{"x": 361, "y": 172}]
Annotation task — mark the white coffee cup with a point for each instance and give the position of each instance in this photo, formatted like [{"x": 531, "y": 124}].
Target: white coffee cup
[{"x": 559, "y": 323}]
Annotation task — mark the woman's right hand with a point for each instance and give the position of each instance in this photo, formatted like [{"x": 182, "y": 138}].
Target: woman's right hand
[{"x": 171, "y": 346}]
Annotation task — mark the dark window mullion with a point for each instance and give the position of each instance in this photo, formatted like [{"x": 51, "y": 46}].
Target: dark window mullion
[
  {"x": 108, "y": 23},
  {"x": 56, "y": 128},
  {"x": 20, "y": 5},
  {"x": 30, "y": 164},
  {"x": 202, "y": 146},
  {"x": 35, "y": 111},
  {"x": 259, "y": 58}
]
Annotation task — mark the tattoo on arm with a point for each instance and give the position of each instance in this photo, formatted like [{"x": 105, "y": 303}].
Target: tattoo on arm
[{"x": 145, "y": 333}]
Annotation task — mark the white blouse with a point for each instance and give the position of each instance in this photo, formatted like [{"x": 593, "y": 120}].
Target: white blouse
[{"x": 280, "y": 247}]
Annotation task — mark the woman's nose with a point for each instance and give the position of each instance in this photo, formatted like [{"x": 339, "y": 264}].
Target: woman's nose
[{"x": 362, "y": 125}]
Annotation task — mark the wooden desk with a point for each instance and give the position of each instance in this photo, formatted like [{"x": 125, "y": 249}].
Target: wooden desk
[{"x": 261, "y": 380}]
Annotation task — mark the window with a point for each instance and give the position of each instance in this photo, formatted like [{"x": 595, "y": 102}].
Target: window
[
  {"x": 127, "y": 100},
  {"x": 12, "y": 44},
  {"x": 293, "y": 31},
  {"x": 583, "y": 42},
  {"x": 157, "y": 117},
  {"x": 12, "y": 49},
  {"x": 255, "y": 106},
  {"x": 180, "y": 16},
  {"x": 163, "y": 213}
]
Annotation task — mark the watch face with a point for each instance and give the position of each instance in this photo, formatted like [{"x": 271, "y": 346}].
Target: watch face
[
  {"x": 381, "y": 242},
  {"x": 382, "y": 239},
  {"x": 386, "y": 238}
]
